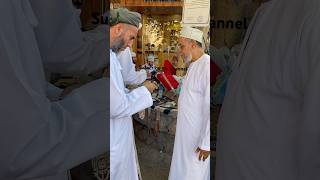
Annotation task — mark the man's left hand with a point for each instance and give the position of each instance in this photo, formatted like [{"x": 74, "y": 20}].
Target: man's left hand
[{"x": 203, "y": 155}]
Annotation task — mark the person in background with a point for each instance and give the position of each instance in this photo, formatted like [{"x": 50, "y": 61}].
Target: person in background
[
  {"x": 134, "y": 57},
  {"x": 149, "y": 66},
  {"x": 190, "y": 160}
]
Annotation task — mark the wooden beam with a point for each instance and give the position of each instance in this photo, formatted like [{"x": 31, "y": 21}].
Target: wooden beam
[{"x": 142, "y": 3}]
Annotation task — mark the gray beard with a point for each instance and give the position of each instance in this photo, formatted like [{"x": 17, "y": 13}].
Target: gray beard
[
  {"x": 187, "y": 60},
  {"x": 118, "y": 45}
]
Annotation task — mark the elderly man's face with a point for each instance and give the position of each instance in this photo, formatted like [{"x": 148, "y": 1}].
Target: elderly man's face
[
  {"x": 185, "y": 47},
  {"x": 125, "y": 38}
]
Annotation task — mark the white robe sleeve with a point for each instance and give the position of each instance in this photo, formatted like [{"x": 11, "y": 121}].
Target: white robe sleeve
[
  {"x": 204, "y": 143},
  {"x": 63, "y": 46},
  {"x": 124, "y": 104},
  {"x": 141, "y": 76},
  {"x": 47, "y": 138},
  {"x": 310, "y": 129},
  {"x": 39, "y": 137},
  {"x": 129, "y": 74}
]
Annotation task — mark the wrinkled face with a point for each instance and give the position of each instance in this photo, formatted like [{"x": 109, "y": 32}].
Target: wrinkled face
[
  {"x": 125, "y": 35},
  {"x": 185, "y": 48}
]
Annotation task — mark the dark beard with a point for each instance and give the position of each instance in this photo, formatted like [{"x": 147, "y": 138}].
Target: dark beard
[{"x": 118, "y": 45}]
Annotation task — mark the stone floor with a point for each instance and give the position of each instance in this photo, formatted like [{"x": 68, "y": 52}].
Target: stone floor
[{"x": 155, "y": 153}]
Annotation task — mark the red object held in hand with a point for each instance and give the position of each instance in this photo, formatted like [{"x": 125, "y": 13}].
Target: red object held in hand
[
  {"x": 168, "y": 81},
  {"x": 168, "y": 68}
]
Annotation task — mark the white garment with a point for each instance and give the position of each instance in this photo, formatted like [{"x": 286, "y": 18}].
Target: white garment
[
  {"x": 129, "y": 74},
  {"x": 269, "y": 124},
  {"x": 122, "y": 107},
  {"x": 193, "y": 124},
  {"x": 41, "y": 139},
  {"x": 61, "y": 39}
]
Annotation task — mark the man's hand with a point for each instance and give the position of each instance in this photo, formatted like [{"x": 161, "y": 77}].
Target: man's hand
[
  {"x": 150, "y": 86},
  {"x": 202, "y": 154}
]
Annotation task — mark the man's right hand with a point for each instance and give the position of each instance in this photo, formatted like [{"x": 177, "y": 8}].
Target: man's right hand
[{"x": 150, "y": 86}]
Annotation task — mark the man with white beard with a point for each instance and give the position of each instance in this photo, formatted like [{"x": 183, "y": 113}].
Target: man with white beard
[
  {"x": 124, "y": 26},
  {"x": 192, "y": 141}
]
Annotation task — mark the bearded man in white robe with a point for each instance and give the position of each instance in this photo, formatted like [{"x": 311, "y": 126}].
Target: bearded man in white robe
[
  {"x": 192, "y": 142},
  {"x": 124, "y": 26}
]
